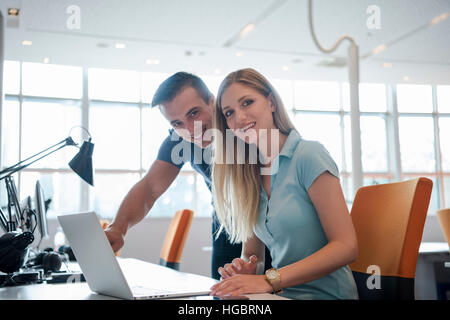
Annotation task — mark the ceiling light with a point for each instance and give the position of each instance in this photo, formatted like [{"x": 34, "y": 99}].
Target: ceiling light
[
  {"x": 13, "y": 12},
  {"x": 120, "y": 45},
  {"x": 27, "y": 42},
  {"x": 387, "y": 65},
  {"x": 440, "y": 18},
  {"x": 285, "y": 68},
  {"x": 239, "y": 54},
  {"x": 46, "y": 60},
  {"x": 246, "y": 30},
  {"x": 405, "y": 78},
  {"x": 379, "y": 49},
  {"x": 152, "y": 61}
]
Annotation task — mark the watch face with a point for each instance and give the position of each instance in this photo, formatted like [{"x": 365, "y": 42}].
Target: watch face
[{"x": 272, "y": 274}]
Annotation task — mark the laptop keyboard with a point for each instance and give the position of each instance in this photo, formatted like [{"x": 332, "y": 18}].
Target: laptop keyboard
[{"x": 146, "y": 291}]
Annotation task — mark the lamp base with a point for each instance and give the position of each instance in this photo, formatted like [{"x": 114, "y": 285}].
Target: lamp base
[{"x": 20, "y": 278}]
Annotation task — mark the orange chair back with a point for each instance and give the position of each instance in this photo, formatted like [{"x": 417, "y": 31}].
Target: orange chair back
[
  {"x": 175, "y": 240},
  {"x": 389, "y": 221}
]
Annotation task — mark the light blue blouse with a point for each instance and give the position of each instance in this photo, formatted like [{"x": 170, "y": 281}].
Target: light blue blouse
[{"x": 288, "y": 222}]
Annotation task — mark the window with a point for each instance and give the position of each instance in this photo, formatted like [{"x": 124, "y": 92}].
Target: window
[
  {"x": 373, "y": 144},
  {"x": 180, "y": 195},
  {"x": 40, "y": 130},
  {"x": 414, "y": 98},
  {"x": 63, "y": 188},
  {"x": 151, "y": 82},
  {"x": 114, "y": 85},
  {"x": 109, "y": 191},
  {"x": 285, "y": 89},
  {"x": 310, "y": 95},
  {"x": 212, "y": 83},
  {"x": 127, "y": 134},
  {"x": 115, "y": 128},
  {"x": 324, "y": 128},
  {"x": 444, "y": 134},
  {"x": 155, "y": 128},
  {"x": 447, "y": 192},
  {"x": 49, "y": 80},
  {"x": 372, "y": 97},
  {"x": 417, "y": 146},
  {"x": 11, "y": 74},
  {"x": 10, "y": 132},
  {"x": 443, "y": 99}
]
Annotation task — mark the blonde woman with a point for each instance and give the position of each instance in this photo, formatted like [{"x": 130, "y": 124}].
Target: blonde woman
[{"x": 289, "y": 199}]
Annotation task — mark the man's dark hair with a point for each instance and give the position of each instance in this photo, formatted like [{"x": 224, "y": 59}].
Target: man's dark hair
[{"x": 173, "y": 85}]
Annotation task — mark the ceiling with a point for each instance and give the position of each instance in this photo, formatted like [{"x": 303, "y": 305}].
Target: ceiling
[{"x": 202, "y": 36}]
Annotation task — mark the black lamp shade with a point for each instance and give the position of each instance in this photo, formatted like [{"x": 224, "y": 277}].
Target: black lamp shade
[{"x": 81, "y": 164}]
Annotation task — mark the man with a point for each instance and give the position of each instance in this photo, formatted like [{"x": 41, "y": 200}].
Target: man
[{"x": 183, "y": 99}]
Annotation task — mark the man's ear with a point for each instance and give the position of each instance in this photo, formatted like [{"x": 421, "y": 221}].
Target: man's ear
[{"x": 211, "y": 101}]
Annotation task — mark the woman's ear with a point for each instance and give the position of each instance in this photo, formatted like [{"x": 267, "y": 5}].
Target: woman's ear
[{"x": 272, "y": 103}]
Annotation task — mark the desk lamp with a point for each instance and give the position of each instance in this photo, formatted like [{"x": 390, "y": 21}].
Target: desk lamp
[{"x": 14, "y": 244}]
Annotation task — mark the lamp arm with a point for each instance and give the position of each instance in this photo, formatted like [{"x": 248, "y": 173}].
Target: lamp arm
[
  {"x": 353, "y": 62},
  {"x": 3, "y": 221},
  {"x": 316, "y": 41},
  {"x": 19, "y": 166},
  {"x": 13, "y": 201}
]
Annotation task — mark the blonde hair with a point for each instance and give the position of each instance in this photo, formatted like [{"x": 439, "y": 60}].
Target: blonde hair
[{"x": 236, "y": 187}]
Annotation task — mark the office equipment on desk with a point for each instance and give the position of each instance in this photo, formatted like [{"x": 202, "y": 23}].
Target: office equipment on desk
[
  {"x": 18, "y": 224},
  {"x": 75, "y": 290},
  {"x": 40, "y": 211},
  {"x": 432, "y": 275},
  {"x": 175, "y": 239},
  {"x": 389, "y": 220},
  {"x": 104, "y": 274}
]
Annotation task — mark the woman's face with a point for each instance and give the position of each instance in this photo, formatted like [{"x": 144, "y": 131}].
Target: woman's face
[{"x": 247, "y": 112}]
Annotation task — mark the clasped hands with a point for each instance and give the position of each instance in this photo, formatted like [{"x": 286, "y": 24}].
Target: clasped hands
[{"x": 239, "y": 277}]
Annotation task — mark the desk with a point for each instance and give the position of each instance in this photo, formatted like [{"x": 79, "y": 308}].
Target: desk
[
  {"x": 432, "y": 275},
  {"x": 81, "y": 291}
]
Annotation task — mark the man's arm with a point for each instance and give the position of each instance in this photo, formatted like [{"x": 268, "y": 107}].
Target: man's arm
[
  {"x": 139, "y": 200},
  {"x": 254, "y": 247}
]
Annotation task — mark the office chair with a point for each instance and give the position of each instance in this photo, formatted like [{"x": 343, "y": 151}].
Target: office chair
[
  {"x": 389, "y": 221},
  {"x": 175, "y": 240}
]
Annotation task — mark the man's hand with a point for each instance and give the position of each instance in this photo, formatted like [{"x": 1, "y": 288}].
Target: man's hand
[
  {"x": 115, "y": 238},
  {"x": 239, "y": 266}
]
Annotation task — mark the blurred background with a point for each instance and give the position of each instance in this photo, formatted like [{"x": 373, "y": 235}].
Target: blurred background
[{"x": 98, "y": 64}]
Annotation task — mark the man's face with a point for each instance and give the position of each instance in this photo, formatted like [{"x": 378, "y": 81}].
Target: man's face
[{"x": 189, "y": 115}]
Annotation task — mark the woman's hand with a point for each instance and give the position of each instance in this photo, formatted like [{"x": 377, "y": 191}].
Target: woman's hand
[
  {"x": 240, "y": 284},
  {"x": 239, "y": 266}
]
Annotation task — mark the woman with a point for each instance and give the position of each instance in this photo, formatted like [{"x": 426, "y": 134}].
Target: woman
[{"x": 289, "y": 200}]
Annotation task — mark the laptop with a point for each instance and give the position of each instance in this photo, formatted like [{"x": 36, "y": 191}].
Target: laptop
[{"x": 104, "y": 274}]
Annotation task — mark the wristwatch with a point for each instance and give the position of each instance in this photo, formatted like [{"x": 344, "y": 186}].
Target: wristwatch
[{"x": 273, "y": 277}]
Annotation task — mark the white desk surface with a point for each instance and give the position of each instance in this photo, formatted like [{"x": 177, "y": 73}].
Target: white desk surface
[
  {"x": 433, "y": 247},
  {"x": 81, "y": 291}
]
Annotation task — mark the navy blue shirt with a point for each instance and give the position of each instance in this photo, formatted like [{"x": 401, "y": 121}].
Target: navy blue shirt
[{"x": 177, "y": 151}]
